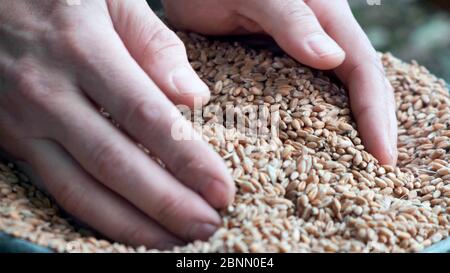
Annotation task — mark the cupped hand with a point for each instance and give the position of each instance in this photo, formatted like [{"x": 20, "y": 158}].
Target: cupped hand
[
  {"x": 320, "y": 33},
  {"x": 59, "y": 62}
]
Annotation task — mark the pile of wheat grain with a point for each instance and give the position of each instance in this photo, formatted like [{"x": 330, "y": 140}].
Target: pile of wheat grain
[{"x": 313, "y": 188}]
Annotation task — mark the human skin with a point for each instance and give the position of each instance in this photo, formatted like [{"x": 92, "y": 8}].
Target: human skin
[{"x": 58, "y": 62}]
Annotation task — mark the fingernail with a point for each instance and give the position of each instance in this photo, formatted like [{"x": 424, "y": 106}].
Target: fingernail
[
  {"x": 323, "y": 45},
  {"x": 202, "y": 231},
  {"x": 187, "y": 82}
]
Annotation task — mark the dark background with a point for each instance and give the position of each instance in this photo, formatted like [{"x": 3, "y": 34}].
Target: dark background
[{"x": 410, "y": 29}]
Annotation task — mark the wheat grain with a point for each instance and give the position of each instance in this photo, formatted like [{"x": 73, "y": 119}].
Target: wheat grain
[{"x": 314, "y": 188}]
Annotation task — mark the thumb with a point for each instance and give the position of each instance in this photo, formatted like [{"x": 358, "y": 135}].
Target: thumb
[
  {"x": 296, "y": 29},
  {"x": 158, "y": 51}
]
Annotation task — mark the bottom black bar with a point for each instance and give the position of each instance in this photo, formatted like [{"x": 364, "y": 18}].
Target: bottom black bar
[{"x": 226, "y": 262}]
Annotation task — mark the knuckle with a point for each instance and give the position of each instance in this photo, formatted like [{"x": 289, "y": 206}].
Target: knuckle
[
  {"x": 106, "y": 157},
  {"x": 306, "y": 20},
  {"x": 170, "y": 208},
  {"x": 161, "y": 42},
  {"x": 81, "y": 47},
  {"x": 363, "y": 111},
  {"x": 298, "y": 13},
  {"x": 71, "y": 24},
  {"x": 31, "y": 83},
  {"x": 26, "y": 75},
  {"x": 32, "y": 95},
  {"x": 186, "y": 165},
  {"x": 141, "y": 111},
  {"x": 72, "y": 42},
  {"x": 70, "y": 199},
  {"x": 370, "y": 66},
  {"x": 300, "y": 16}
]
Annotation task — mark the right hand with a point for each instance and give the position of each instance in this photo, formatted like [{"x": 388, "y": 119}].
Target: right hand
[
  {"x": 323, "y": 34},
  {"x": 57, "y": 62}
]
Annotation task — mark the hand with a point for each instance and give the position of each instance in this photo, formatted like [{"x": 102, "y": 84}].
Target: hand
[
  {"x": 319, "y": 33},
  {"x": 57, "y": 64}
]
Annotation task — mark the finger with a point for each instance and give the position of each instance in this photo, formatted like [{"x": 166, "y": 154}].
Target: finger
[
  {"x": 89, "y": 201},
  {"x": 371, "y": 95},
  {"x": 221, "y": 18},
  {"x": 296, "y": 29},
  {"x": 114, "y": 160},
  {"x": 158, "y": 50},
  {"x": 137, "y": 104}
]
